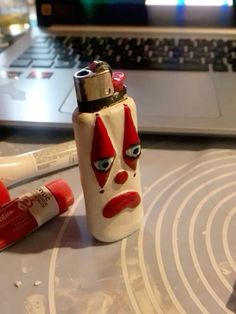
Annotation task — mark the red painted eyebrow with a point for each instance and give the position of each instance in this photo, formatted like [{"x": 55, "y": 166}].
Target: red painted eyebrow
[
  {"x": 101, "y": 148},
  {"x": 130, "y": 137}
]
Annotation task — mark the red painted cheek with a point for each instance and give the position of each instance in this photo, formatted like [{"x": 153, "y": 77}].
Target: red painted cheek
[{"x": 121, "y": 177}]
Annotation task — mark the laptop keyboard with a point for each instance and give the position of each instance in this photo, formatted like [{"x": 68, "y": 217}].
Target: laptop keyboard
[{"x": 164, "y": 54}]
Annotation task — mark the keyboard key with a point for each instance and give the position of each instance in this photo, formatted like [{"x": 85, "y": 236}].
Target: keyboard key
[
  {"x": 220, "y": 43},
  {"x": 66, "y": 58},
  {"x": 41, "y": 39},
  {"x": 234, "y": 67},
  {"x": 177, "y": 52},
  {"x": 37, "y": 50},
  {"x": 64, "y": 64},
  {"x": 42, "y": 45},
  {"x": 21, "y": 63},
  {"x": 170, "y": 60},
  {"x": 231, "y": 59},
  {"x": 37, "y": 56},
  {"x": 185, "y": 42},
  {"x": 192, "y": 60},
  {"x": 220, "y": 67},
  {"x": 167, "y": 42},
  {"x": 202, "y": 54},
  {"x": 209, "y": 60},
  {"x": 202, "y": 42},
  {"x": 182, "y": 67},
  {"x": 42, "y": 63}
]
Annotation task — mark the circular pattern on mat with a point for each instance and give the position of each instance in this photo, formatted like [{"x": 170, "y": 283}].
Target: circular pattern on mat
[{"x": 183, "y": 258}]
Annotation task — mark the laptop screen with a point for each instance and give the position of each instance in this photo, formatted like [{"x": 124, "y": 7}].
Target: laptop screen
[
  {"x": 163, "y": 2},
  {"x": 181, "y": 13},
  {"x": 191, "y": 2}
]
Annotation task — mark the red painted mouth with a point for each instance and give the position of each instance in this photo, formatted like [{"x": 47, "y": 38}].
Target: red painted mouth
[{"x": 120, "y": 202}]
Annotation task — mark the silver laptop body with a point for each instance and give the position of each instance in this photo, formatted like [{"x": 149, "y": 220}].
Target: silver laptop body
[{"x": 177, "y": 101}]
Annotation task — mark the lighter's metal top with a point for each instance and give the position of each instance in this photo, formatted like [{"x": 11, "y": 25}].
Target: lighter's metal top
[{"x": 94, "y": 82}]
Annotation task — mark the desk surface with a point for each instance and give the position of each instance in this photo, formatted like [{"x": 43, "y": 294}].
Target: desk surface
[{"x": 183, "y": 258}]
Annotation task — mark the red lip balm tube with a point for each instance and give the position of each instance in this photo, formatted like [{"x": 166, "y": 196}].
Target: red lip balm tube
[
  {"x": 4, "y": 194},
  {"x": 26, "y": 213}
]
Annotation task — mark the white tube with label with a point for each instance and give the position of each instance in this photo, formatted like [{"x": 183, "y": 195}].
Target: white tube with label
[{"x": 16, "y": 168}]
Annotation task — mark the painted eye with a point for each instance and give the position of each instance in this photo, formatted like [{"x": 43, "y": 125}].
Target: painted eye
[
  {"x": 104, "y": 164},
  {"x": 134, "y": 151}
]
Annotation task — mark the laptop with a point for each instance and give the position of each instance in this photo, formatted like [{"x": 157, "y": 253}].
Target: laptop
[{"x": 179, "y": 58}]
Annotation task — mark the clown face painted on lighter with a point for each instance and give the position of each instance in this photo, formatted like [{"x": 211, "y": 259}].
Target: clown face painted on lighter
[{"x": 109, "y": 150}]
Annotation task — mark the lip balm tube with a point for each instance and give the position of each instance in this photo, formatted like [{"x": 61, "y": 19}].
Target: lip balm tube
[
  {"x": 108, "y": 146},
  {"x": 16, "y": 168},
  {"x": 28, "y": 212},
  {"x": 4, "y": 194}
]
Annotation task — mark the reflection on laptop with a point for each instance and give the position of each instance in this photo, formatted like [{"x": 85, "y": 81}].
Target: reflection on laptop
[{"x": 179, "y": 59}]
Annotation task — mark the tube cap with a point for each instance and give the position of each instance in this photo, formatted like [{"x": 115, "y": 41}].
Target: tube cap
[
  {"x": 4, "y": 194},
  {"x": 62, "y": 193}
]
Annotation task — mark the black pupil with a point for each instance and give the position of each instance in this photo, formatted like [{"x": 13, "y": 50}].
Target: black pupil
[
  {"x": 105, "y": 164},
  {"x": 136, "y": 150}
]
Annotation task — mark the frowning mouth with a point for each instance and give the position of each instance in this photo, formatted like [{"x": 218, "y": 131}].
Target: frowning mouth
[{"x": 130, "y": 199}]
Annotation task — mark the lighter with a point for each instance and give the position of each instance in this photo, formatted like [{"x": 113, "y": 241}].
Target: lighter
[{"x": 108, "y": 146}]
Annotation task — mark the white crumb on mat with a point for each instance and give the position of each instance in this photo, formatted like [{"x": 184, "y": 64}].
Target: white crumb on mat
[
  {"x": 17, "y": 283},
  {"x": 37, "y": 282}
]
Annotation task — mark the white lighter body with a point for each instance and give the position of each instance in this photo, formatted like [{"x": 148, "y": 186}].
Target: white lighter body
[{"x": 108, "y": 148}]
